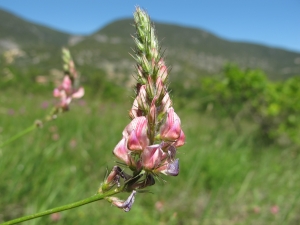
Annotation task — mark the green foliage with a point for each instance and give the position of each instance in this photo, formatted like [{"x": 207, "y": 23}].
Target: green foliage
[
  {"x": 273, "y": 106},
  {"x": 224, "y": 177}
]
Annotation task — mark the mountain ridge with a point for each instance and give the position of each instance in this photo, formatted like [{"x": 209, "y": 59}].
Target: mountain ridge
[{"x": 191, "y": 51}]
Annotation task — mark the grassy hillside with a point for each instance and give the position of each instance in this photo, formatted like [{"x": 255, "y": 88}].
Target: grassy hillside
[{"x": 225, "y": 177}]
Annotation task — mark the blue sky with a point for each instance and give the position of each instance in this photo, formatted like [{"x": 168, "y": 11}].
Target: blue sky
[{"x": 275, "y": 23}]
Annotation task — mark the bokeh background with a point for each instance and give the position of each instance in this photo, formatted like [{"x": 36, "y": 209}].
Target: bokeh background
[{"x": 234, "y": 82}]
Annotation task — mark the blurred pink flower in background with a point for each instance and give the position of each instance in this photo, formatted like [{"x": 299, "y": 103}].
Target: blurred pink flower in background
[
  {"x": 11, "y": 112},
  {"x": 44, "y": 105},
  {"x": 256, "y": 209},
  {"x": 66, "y": 92},
  {"x": 73, "y": 143},
  {"x": 274, "y": 209},
  {"x": 55, "y": 217}
]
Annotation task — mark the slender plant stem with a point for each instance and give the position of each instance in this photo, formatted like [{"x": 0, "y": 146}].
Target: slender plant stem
[
  {"x": 85, "y": 201},
  {"x": 22, "y": 133}
]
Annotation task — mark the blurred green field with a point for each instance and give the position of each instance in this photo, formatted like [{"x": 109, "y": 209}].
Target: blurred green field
[{"x": 225, "y": 177}]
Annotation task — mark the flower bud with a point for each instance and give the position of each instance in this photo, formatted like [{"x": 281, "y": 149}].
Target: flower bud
[
  {"x": 170, "y": 130},
  {"x": 152, "y": 112},
  {"x": 163, "y": 70},
  {"x": 134, "y": 112},
  {"x": 165, "y": 104},
  {"x": 149, "y": 87},
  {"x": 112, "y": 179},
  {"x": 160, "y": 88},
  {"x": 142, "y": 98}
]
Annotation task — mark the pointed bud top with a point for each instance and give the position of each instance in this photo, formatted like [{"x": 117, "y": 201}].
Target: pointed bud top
[{"x": 146, "y": 34}]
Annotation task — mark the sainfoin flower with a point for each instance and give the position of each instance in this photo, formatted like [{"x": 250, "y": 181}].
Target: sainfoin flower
[
  {"x": 68, "y": 88},
  {"x": 66, "y": 92},
  {"x": 150, "y": 140}
]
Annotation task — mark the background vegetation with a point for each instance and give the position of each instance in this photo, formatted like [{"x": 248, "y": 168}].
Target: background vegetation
[
  {"x": 239, "y": 165},
  {"x": 226, "y": 177}
]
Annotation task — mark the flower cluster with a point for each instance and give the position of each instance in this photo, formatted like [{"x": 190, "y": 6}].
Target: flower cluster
[
  {"x": 68, "y": 89},
  {"x": 150, "y": 141}
]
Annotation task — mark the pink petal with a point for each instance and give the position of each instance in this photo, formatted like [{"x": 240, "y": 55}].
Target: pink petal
[
  {"x": 181, "y": 140},
  {"x": 171, "y": 129},
  {"x": 151, "y": 157},
  {"x": 169, "y": 168},
  {"x": 67, "y": 83},
  {"x": 79, "y": 93},
  {"x": 56, "y": 92},
  {"x": 121, "y": 152}
]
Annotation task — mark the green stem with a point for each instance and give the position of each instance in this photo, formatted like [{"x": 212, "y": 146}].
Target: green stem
[
  {"x": 22, "y": 133},
  {"x": 94, "y": 198},
  {"x": 53, "y": 113}
]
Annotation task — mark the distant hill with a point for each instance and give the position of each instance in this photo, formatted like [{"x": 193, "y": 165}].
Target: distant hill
[
  {"x": 190, "y": 52},
  {"x": 25, "y": 33}
]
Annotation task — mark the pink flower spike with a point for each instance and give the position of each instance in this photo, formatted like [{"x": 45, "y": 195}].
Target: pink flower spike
[
  {"x": 151, "y": 157},
  {"x": 122, "y": 153},
  {"x": 171, "y": 130}
]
